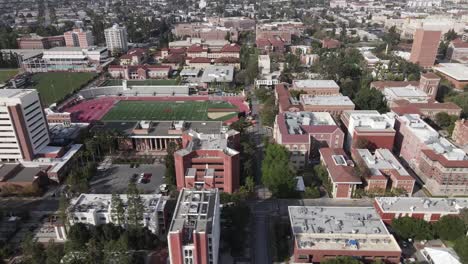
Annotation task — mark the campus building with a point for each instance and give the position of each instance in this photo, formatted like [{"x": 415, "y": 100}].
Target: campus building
[
  {"x": 442, "y": 166},
  {"x": 78, "y": 38},
  {"x": 429, "y": 109},
  {"x": 426, "y": 208},
  {"x": 116, "y": 39},
  {"x": 304, "y": 133},
  {"x": 425, "y": 46},
  {"x": 333, "y": 104},
  {"x": 369, "y": 127},
  {"x": 194, "y": 232},
  {"x": 460, "y": 132},
  {"x": 329, "y": 232},
  {"x": 96, "y": 209},
  {"x": 37, "y": 42},
  {"x": 412, "y": 91},
  {"x": 316, "y": 87},
  {"x": 455, "y": 73},
  {"x": 208, "y": 161},
  {"x": 341, "y": 172},
  {"x": 383, "y": 171},
  {"x": 24, "y": 129},
  {"x": 68, "y": 59}
]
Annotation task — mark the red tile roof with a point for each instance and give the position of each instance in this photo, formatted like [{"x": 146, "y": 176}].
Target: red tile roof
[
  {"x": 231, "y": 48},
  {"x": 196, "y": 48},
  {"x": 261, "y": 43},
  {"x": 380, "y": 85},
  {"x": 227, "y": 60},
  {"x": 338, "y": 173},
  {"x": 458, "y": 43},
  {"x": 200, "y": 60},
  {"x": 444, "y": 161}
]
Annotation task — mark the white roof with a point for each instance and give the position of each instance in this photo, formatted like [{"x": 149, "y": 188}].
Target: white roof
[
  {"x": 304, "y": 84},
  {"x": 457, "y": 71},
  {"x": 440, "y": 256}
]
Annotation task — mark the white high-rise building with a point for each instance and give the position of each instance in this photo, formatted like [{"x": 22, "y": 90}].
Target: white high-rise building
[
  {"x": 23, "y": 127},
  {"x": 116, "y": 39}
]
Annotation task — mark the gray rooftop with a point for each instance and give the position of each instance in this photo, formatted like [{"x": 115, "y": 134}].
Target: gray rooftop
[
  {"x": 326, "y": 100},
  {"x": 218, "y": 74},
  {"x": 414, "y": 204},
  {"x": 383, "y": 159},
  {"x": 17, "y": 173},
  {"x": 218, "y": 141},
  {"x": 12, "y": 93},
  {"x": 195, "y": 211},
  {"x": 310, "y": 84},
  {"x": 294, "y": 120}
]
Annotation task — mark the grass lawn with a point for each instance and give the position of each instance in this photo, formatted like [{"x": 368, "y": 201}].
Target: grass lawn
[
  {"x": 141, "y": 82},
  {"x": 6, "y": 74},
  {"x": 54, "y": 86},
  {"x": 146, "y": 110}
]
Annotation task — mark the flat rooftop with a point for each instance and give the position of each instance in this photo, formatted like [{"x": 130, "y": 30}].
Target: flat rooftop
[
  {"x": 15, "y": 93},
  {"x": 424, "y": 205},
  {"x": 457, "y": 71},
  {"x": 101, "y": 203},
  {"x": 432, "y": 139},
  {"x": 310, "y": 84},
  {"x": 202, "y": 141},
  {"x": 326, "y": 100},
  {"x": 218, "y": 74},
  {"x": 340, "y": 228},
  {"x": 383, "y": 159},
  {"x": 370, "y": 120},
  {"x": 195, "y": 211},
  {"x": 294, "y": 120},
  {"x": 394, "y": 92}
]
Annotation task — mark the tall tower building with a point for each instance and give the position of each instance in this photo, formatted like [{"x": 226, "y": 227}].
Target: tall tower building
[
  {"x": 425, "y": 46},
  {"x": 23, "y": 126},
  {"x": 116, "y": 38},
  {"x": 193, "y": 236},
  {"x": 78, "y": 38}
]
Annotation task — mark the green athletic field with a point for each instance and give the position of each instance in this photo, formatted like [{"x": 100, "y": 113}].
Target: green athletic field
[
  {"x": 6, "y": 74},
  {"x": 155, "y": 110},
  {"x": 54, "y": 86}
]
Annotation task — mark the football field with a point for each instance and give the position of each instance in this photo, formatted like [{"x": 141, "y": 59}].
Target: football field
[{"x": 156, "y": 110}]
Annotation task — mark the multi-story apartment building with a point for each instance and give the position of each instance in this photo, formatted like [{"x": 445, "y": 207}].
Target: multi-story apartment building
[
  {"x": 341, "y": 174},
  {"x": 78, "y": 38},
  {"x": 304, "y": 133},
  {"x": 427, "y": 208},
  {"x": 460, "y": 132},
  {"x": 208, "y": 161},
  {"x": 384, "y": 171},
  {"x": 328, "y": 232},
  {"x": 23, "y": 126},
  {"x": 116, "y": 39},
  {"x": 96, "y": 209},
  {"x": 369, "y": 125},
  {"x": 194, "y": 232},
  {"x": 442, "y": 166},
  {"x": 316, "y": 87},
  {"x": 425, "y": 46}
]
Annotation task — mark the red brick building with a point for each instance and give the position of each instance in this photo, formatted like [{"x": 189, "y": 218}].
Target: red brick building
[
  {"x": 428, "y": 83},
  {"x": 316, "y": 87},
  {"x": 140, "y": 72},
  {"x": 460, "y": 132},
  {"x": 428, "y": 209},
  {"x": 304, "y": 133},
  {"x": 322, "y": 232},
  {"x": 383, "y": 171},
  {"x": 194, "y": 232},
  {"x": 369, "y": 127},
  {"x": 38, "y": 42},
  {"x": 425, "y": 46},
  {"x": 340, "y": 172},
  {"x": 208, "y": 161},
  {"x": 429, "y": 109},
  {"x": 441, "y": 165}
]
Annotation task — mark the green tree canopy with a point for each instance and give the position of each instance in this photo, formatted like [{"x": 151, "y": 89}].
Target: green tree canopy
[
  {"x": 450, "y": 228},
  {"x": 371, "y": 99},
  {"x": 277, "y": 174},
  {"x": 461, "y": 247},
  {"x": 408, "y": 227}
]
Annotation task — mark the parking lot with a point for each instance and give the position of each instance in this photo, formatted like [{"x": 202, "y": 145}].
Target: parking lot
[{"x": 117, "y": 177}]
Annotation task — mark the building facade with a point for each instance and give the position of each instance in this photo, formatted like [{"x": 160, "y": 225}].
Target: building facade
[
  {"x": 316, "y": 87},
  {"x": 368, "y": 127},
  {"x": 78, "y": 38},
  {"x": 304, "y": 133},
  {"x": 116, "y": 39},
  {"x": 38, "y": 42},
  {"x": 383, "y": 171},
  {"x": 24, "y": 129},
  {"x": 194, "y": 232},
  {"x": 460, "y": 132},
  {"x": 208, "y": 161},
  {"x": 425, "y": 46},
  {"x": 321, "y": 233},
  {"x": 442, "y": 166}
]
